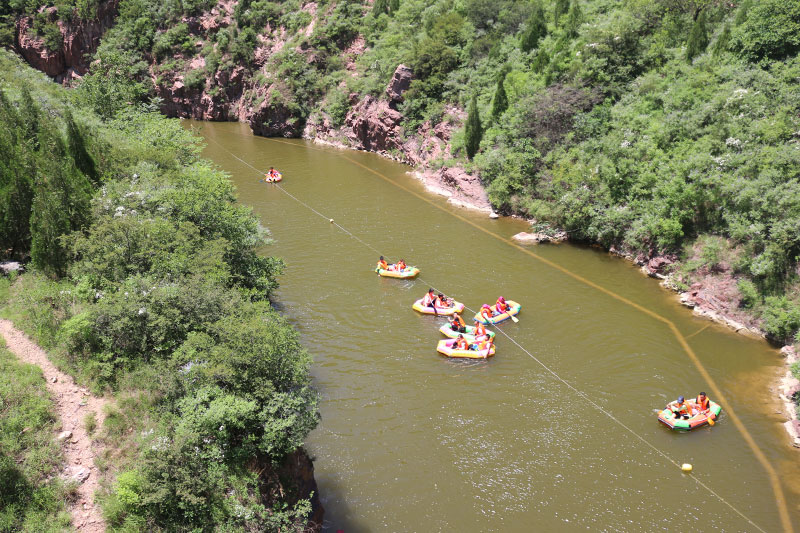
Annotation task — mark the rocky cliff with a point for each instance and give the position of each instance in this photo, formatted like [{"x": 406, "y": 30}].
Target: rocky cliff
[{"x": 80, "y": 39}]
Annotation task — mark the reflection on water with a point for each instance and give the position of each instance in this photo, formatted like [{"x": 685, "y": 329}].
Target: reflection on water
[{"x": 410, "y": 440}]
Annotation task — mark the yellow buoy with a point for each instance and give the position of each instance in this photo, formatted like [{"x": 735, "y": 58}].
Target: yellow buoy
[{"x": 686, "y": 467}]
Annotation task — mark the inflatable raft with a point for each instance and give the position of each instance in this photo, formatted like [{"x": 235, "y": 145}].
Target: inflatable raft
[
  {"x": 408, "y": 272},
  {"x": 514, "y": 310},
  {"x": 448, "y": 332},
  {"x": 668, "y": 418},
  {"x": 276, "y": 179},
  {"x": 442, "y": 311},
  {"x": 445, "y": 347}
]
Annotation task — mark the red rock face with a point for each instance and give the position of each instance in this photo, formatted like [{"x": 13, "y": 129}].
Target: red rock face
[{"x": 80, "y": 41}]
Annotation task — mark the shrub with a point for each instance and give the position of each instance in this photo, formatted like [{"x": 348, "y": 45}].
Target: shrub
[
  {"x": 771, "y": 30},
  {"x": 748, "y": 294},
  {"x": 781, "y": 318}
]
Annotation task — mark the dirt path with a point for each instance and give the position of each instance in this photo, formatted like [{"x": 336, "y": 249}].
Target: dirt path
[{"x": 72, "y": 404}]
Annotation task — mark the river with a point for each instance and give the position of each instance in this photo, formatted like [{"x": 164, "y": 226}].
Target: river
[{"x": 412, "y": 441}]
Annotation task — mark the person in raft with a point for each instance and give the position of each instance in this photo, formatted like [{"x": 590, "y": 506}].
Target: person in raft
[
  {"x": 501, "y": 306},
  {"x": 457, "y": 324},
  {"x": 485, "y": 344},
  {"x": 429, "y": 299},
  {"x": 272, "y": 174},
  {"x": 479, "y": 332},
  {"x": 382, "y": 265},
  {"x": 461, "y": 343},
  {"x": 443, "y": 302},
  {"x": 702, "y": 403},
  {"x": 486, "y": 312},
  {"x": 681, "y": 408},
  {"x": 400, "y": 266}
]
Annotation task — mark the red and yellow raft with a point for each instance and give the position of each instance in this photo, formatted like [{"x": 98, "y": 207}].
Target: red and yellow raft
[
  {"x": 514, "y": 309},
  {"x": 445, "y": 347},
  {"x": 444, "y": 311},
  {"x": 668, "y": 418}
]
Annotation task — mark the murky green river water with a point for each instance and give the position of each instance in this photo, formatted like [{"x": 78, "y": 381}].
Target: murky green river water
[{"x": 411, "y": 441}]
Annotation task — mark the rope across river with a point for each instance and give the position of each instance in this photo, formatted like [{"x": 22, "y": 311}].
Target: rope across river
[{"x": 780, "y": 498}]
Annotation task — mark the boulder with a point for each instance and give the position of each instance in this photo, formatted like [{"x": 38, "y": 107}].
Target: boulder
[
  {"x": 401, "y": 81},
  {"x": 64, "y": 435},
  {"x": 540, "y": 238},
  {"x": 7, "y": 267}
]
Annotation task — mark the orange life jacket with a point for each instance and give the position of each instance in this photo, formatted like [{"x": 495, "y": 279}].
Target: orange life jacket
[
  {"x": 501, "y": 307},
  {"x": 401, "y": 266},
  {"x": 486, "y": 313},
  {"x": 460, "y": 344},
  {"x": 427, "y": 299},
  {"x": 479, "y": 330},
  {"x": 458, "y": 321},
  {"x": 680, "y": 408},
  {"x": 382, "y": 265},
  {"x": 704, "y": 404}
]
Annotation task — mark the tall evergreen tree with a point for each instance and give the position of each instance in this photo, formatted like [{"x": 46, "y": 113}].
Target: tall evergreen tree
[
  {"x": 473, "y": 132},
  {"x": 535, "y": 30},
  {"x": 561, "y": 9},
  {"x": 16, "y": 188},
  {"x": 698, "y": 38},
  {"x": 77, "y": 148},
  {"x": 574, "y": 19},
  {"x": 500, "y": 101},
  {"x": 724, "y": 39}
]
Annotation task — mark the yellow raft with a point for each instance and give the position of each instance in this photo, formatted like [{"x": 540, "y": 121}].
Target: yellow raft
[
  {"x": 406, "y": 273},
  {"x": 443, "y": 311},
  {"x": 514, "y": 309},
  {"x": 445, "y": 347}
]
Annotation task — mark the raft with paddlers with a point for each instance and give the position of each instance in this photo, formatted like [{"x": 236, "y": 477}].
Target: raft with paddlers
[
  {"x": 272, "y": 176},
  {"x": 496, "y": 318},
  {"x": 457, "y": 307},
  {"x": 406, "y": 273},
  {"x": 469, "y": 335},
  {"x": 445, "y": 347},
  {"x": 698, "y": 417}
]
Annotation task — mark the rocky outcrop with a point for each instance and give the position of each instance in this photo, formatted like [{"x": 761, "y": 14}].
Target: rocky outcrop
[
  {"x": 401, "y": 81},
  {"x": 555, "y": 237},
  {"x": 80, "y": 40},
  {"x": 291, "y": 482},
  {"x": 789, "y": 392}
]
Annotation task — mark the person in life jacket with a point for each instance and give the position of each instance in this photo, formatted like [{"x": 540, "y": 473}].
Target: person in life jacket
[
  {"x": 484, "y": 345},
  {"x": 272, "y": 175},
  {"x": 401, "y": 265},
  {"x": 461, "y": 343},
  {"x": 703, "y": 403},
  {"x": 680, "y": 408},
  {"x": 501, "y": 306},
  {"x": 443, "y": 302},
  {"x": 486, "y": 312},
  {"x": 479, "y": 332},
  {"x": 429, "y": 299},
  {"x": 382, "y": 265},
  {"x": 457, "y": 324}
]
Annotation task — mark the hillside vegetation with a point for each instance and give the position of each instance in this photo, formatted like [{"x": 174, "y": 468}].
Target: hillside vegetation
[
  {"x": 654, "y": 127},
  {"x": 146, "y": 284}
]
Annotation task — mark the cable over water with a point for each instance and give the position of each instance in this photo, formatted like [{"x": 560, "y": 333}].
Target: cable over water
[{"x": 777, "y": 489}]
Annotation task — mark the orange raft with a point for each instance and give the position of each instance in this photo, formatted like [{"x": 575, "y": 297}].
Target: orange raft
[
  {"x": 444, "y": 311},
  {"x": 668, "y": 418},
  {"x": 445, "y": 347},
  {"x": 278, "y": 177}
]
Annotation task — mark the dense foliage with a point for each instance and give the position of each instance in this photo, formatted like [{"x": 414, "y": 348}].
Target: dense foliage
[
  {"x": 33, "y": 497},
  {"x": 148, "y": 284}
]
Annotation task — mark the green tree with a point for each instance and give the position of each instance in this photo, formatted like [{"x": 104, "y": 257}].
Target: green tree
[
  {"x": 535, "y": 29},
  {"x": 500, "y": 101},
  {"x": 771, "y": 30},
  {"x": 574, "y": 19},
  {"x": 77, "y": 149},
  {"x": 561, "y": 9},
  {"x": 473, "y": 131},
  {"x": 380, "y": 6},
  {"x": 722, "y": 42},
  {"x": 394, "y": 5},
  {"x": 698, "y": 38}
]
